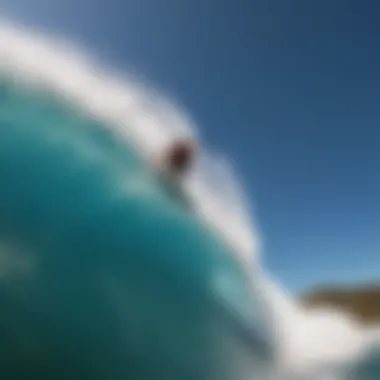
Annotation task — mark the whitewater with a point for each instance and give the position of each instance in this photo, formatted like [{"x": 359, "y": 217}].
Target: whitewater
[{"x": 318, "y": 344}]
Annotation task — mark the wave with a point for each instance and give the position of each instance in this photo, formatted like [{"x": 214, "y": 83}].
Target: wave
[{"x": 307, "y": 345}]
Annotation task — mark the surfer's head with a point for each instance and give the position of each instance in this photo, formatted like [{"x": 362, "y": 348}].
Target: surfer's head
[{"x": 179, "y": 157}]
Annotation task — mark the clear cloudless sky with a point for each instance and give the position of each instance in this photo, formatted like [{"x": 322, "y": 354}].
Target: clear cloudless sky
[{"x": 289, "y": 89}]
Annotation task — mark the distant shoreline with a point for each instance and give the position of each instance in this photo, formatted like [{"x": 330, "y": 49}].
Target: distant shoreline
[{"x": 362, "y": 302}]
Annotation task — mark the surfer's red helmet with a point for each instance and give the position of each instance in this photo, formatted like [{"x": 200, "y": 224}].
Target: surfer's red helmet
[{"x": 179, "y": 157}]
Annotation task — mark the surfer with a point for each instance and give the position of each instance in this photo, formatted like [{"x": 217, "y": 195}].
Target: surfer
[
  {"x": 174, "y": 165},
  {"x": 178, "y": 159}
]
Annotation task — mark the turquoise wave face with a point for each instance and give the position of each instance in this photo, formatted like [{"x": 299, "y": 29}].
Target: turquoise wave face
[
  {"x": 368, "y": 367},
  {"x": 104, "y": 273}
]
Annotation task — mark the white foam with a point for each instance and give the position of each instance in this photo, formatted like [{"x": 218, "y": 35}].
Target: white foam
[
  {"x": 321, "y": 343},
  {"x": 309, "y": 344},
  {"x": 138, "y": 114}
]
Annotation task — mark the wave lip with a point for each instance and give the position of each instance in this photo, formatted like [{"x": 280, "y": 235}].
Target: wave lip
[{"x": 137, "y": 113}]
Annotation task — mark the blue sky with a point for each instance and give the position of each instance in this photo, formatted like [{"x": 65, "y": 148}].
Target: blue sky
[{"x": 290, "y": 90}]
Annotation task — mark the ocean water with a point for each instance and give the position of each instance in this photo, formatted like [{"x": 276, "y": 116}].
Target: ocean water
[
  {"x": 110, "y": 271},
  {"x": 103, "y": 273}
]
